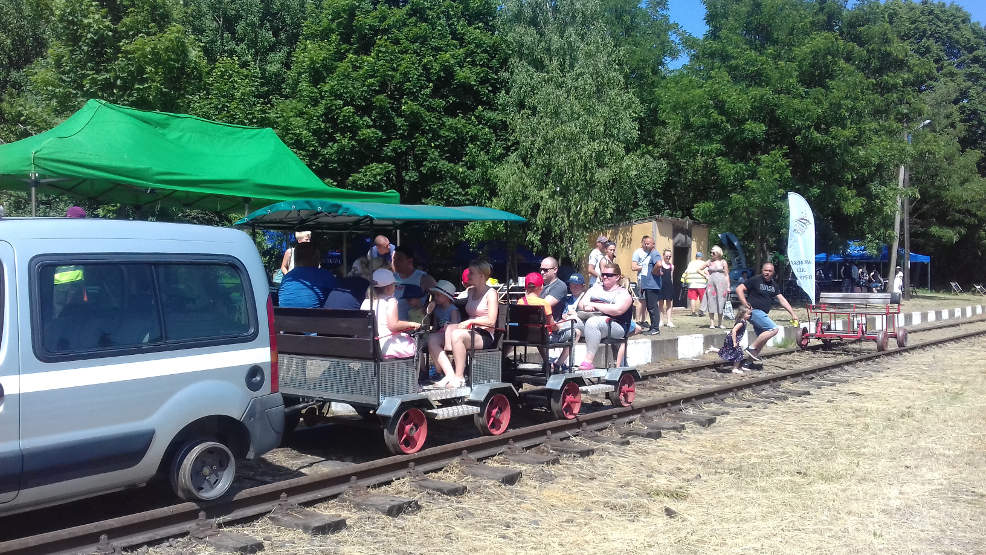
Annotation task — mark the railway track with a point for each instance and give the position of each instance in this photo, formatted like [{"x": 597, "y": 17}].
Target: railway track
[{"x": 654, "y": 411}]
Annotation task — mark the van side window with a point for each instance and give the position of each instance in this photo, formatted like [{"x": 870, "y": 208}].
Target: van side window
[
  {"x": 98, "y": 309},
  {"x": 202, "y": 301},
  {"x": 89, "y": 307}
]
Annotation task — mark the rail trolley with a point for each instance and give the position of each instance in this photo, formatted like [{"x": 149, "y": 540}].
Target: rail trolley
[
  {"x": 853, "y": 316},
  {"x": 333, "y": 356},
  {"x": 561, "y": 392}
]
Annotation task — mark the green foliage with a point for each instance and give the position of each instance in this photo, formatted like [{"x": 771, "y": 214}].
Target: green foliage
[
  {"x": 572, "y": 122},
  {"x": 397, "y": 95},
  {"x": 786, "y": 95},
  {"x": 563, "y": 111}
]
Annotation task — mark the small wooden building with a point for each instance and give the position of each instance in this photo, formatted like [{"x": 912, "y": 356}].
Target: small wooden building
[{"x": 684, "y": 237}]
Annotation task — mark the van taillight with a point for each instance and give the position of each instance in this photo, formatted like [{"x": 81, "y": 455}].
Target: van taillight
[{"x": 273, "y": 346}]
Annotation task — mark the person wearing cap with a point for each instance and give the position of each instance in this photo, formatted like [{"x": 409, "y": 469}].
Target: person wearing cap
[
  {"x": 898, "y": 282},
  {"x": 443, "y": 314},
  {"x": 307, "y": 285},
  {"x": 570, "y": 323},
  {"x": 592, "y": 266},
  {"x": 696, "y": 277},
  {"x": 465, "y": 285},
  {"x": 394, "y": 341},
  {"x": 476, "y": 332},
  {"x": 533, "y": 285}
]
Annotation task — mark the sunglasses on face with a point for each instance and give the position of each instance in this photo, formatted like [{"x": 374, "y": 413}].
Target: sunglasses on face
[
  {"x": 609, "y": 275},
  {"x": 547, "y": 269}
]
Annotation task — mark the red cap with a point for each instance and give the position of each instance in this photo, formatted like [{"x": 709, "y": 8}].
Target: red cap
[
  {"x": 533, "y": 279},
  {"x": 465, "y": 275}
]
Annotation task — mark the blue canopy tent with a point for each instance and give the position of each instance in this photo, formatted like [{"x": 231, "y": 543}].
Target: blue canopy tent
[{"x": 856, "y": 252}]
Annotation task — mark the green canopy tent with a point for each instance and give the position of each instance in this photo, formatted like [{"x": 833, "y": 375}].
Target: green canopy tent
[
  {"x": 327, "y": 215},
  {"x": 113, "y": 153}
]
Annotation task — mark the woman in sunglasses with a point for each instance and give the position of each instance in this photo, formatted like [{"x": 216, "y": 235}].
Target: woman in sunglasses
[{"x": 611, "y": 307}]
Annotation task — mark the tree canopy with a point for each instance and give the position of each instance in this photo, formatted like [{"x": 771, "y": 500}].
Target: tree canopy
[{"x": 564, "y": 111}]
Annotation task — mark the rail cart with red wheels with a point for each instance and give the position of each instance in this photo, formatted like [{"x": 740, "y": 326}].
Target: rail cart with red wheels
[
  {"x": 333, "y": 356},
  {"x": 527, "y": 328},
  {"x": 853, "y": 316},
  {"x": 330, "y": 358}
]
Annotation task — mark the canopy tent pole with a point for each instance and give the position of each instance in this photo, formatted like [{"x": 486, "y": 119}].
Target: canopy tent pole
[
  {"x": 398, "y": 233},
  {"x": 345, "y": 253},
  {"x": 34, "y": 194}
]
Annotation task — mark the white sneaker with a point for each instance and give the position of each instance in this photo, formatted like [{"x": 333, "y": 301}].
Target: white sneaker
[
  {"x": 737, "y": 371},
  {"x": 670, "y": 325}
]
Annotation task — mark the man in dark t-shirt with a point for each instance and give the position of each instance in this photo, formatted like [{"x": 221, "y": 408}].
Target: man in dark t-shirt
[
  {"x": 554, "y": 290},
  {"x": 757, "y": 294}
]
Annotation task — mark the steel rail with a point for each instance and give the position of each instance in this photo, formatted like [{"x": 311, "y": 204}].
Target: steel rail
[{"x": 177, "y": 520}]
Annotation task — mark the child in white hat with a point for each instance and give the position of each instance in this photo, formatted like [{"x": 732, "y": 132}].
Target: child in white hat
[{"x": 394, "y": 342}]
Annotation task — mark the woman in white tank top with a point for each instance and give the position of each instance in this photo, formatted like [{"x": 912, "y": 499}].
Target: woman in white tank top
[{"x": 476, "y": 332}]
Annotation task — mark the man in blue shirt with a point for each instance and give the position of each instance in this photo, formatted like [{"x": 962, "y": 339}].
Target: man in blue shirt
[
  {"x": 647, "y": 261},
  {"x": 307, "y": 285}
]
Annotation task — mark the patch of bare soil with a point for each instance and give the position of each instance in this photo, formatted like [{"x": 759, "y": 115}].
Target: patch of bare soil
[{"x": 889, "y": 463}]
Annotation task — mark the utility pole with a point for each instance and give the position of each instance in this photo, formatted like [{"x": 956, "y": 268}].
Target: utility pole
[
  {"x": 907, "y": 238},
  {"x": 893, "y": 251},
  {"x": 904, "y": 205}
]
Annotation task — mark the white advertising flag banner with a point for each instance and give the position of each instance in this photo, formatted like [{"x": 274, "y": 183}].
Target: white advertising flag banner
[{"x": 801, "y": 243}]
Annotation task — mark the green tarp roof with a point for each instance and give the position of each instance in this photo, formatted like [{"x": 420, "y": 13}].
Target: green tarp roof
[
  {"x": 326, "y": 215},
  {"x": 113, "y": 153}
]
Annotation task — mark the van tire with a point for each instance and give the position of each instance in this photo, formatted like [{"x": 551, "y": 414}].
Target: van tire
[{"x": 202, "y": 470}]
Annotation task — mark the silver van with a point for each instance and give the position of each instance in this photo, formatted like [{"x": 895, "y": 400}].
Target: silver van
[{"x": 131, "y": 350}]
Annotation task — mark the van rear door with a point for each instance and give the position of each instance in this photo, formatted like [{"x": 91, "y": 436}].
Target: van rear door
[{"x": 10, "y": 449}]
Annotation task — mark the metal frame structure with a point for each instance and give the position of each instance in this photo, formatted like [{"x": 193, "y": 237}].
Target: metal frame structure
[{"x": 853, "y": 310}]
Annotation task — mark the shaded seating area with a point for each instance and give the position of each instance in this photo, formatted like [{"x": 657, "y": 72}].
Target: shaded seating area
[{"x": 832, "y": 264}]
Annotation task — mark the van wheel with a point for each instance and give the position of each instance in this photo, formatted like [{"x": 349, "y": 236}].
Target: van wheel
[{"x": 202, "y": 471}]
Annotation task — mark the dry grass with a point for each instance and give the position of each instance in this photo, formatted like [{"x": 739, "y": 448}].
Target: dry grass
[{"x": 888, "y": 463}]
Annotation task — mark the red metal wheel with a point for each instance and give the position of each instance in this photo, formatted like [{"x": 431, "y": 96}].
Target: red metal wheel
[
  {"x": 803, "y": 338},
  {"x": 881, "y": 340},
  {"x": 567, "y": 401},
  {"x": 626, "y": 391},
  {"x": 406, "y": 432},
  {"x": 901, "y": 338},
  {"x": 495, "y": 416}
]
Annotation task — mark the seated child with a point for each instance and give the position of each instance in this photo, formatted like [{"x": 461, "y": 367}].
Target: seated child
[
  {"x": 394, "y": 342},
  {"x": 443, "y": 312}
]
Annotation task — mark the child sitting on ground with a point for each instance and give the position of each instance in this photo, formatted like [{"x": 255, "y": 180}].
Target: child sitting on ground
[{"x": 731, "y": 349}]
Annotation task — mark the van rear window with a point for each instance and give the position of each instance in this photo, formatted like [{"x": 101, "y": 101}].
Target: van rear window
[
  {"x": 202, "y": 301},
  {"x": 109, "y": 309}
]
